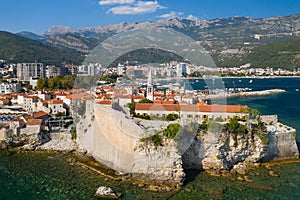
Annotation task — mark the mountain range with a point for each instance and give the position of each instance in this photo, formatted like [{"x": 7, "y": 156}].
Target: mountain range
[{"x": 228, "y": 40}]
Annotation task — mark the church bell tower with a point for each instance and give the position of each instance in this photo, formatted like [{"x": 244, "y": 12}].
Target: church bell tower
[{"x": 150, "y": 90}]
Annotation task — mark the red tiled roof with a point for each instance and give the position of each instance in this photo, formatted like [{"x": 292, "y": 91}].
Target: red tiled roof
[
  {"x": 79, "y": 96},
  {"x": 137, "y": 97},
  {"x": 105, "y": 102},
  {"x": 39, "y": 114},
  {"x": 190, "y": 107},
  {"x": 34, "y": 122},
  {"x": 148, "y": 106},
  {"x": 56, "y": 101}
]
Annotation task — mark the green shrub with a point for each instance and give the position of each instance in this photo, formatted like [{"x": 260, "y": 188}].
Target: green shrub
[
  {"x": 235, "y": 127},
  {"x": 145, "y": 101},
  {"x": 172, "y": 117},
  {"x": 203, "y": 126},
  {"x": 155, "y": 139},
  {"x": 146, "y": 117},
  {"x": 172, "y": 130},
  {"x": 264, "y": 138},
  {"x": 73, "y": 133}
]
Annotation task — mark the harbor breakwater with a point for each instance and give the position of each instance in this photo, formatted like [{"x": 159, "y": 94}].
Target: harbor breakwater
[{"x": 246, "y": 94}]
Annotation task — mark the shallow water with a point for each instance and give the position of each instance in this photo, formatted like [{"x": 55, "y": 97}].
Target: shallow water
[{"x": 42, "y": 175}]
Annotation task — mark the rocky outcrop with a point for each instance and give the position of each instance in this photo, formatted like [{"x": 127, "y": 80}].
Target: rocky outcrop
[
  {"x": 61, "y": 141},
  {"x": 164, "y": 163},
  {"x": 224, "y": 152},
  {"x": 114, "y": 140},
  {"x": 28, "y": 141},
  {"x": 219, "y": 152}
]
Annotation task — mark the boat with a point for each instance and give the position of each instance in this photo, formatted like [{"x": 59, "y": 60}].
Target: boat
[
  {"x": 297, "y": 90},
  {"x": 251, "y": 81},
  {"x": 240, "y": 80}
]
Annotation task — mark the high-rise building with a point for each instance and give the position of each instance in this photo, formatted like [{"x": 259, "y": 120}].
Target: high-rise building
[
  {"x": 53, "y": 71},
  {"x": 25, "y": 71},
  {"x": 181, "y": 70},
  {"x": 120, "y": 70}
]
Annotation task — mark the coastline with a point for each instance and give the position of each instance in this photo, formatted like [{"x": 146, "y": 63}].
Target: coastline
[{"x": 243, "y": 77}]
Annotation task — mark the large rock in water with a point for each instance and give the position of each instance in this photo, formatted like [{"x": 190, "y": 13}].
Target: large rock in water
[{"x": 106, "y": 192}]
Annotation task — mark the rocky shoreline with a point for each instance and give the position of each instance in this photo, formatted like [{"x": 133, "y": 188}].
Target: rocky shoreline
[{"x": 240, "y": 156}]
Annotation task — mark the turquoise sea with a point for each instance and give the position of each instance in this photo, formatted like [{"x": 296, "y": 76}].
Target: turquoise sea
[{"x": 41, "y": 175}]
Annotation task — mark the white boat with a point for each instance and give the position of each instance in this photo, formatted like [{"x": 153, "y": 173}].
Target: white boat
[
  {"x": 297, "y": 90},
  {"x": 251, "y": 81}
]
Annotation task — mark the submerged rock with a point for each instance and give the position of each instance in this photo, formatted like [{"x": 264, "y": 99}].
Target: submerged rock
[
  {"x": 272, "y": 173},
  {"x": 106, "y": 192}
]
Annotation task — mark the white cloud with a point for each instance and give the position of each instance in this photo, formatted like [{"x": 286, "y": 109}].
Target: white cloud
[
  {"x": 111, "y": 2},
  {"x": 171, "y": 15},
  {"x": 192, "y": 17},
  {"x": 140, "y": 7}
]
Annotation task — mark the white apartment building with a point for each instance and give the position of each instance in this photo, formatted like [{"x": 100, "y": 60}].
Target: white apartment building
[
  {"x": 8, "y": 88},
  {"x": 27, "y": 71}
]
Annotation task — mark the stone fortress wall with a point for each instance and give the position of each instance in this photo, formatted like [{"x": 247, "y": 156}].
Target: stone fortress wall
[{"x": 113, "y": 139}]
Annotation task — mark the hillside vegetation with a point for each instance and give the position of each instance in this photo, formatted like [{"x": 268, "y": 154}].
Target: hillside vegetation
[
  {"x": 144, "y": 56},
  {"x": 14, "y": 48},
  {"x": 283, "y": 54}
]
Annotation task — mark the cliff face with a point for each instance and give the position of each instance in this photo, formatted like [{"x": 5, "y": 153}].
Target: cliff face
[
  {"x": 217, "y": 152},
  {"x": 221, "y": 152},
  {"x": 164, "y": 163},
  {"x": 115, "y": 140}
]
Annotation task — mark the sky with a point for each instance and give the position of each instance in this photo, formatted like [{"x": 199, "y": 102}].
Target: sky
[{"x": 37, "y": 16}]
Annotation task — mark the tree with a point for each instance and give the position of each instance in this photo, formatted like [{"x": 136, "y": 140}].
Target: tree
[
  {"x": 132, "y": 108},
  {"x": 52, "y": 83}
]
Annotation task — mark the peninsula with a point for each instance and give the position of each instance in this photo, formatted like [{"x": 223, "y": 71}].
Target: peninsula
[{"x": 148, "y": 133}]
